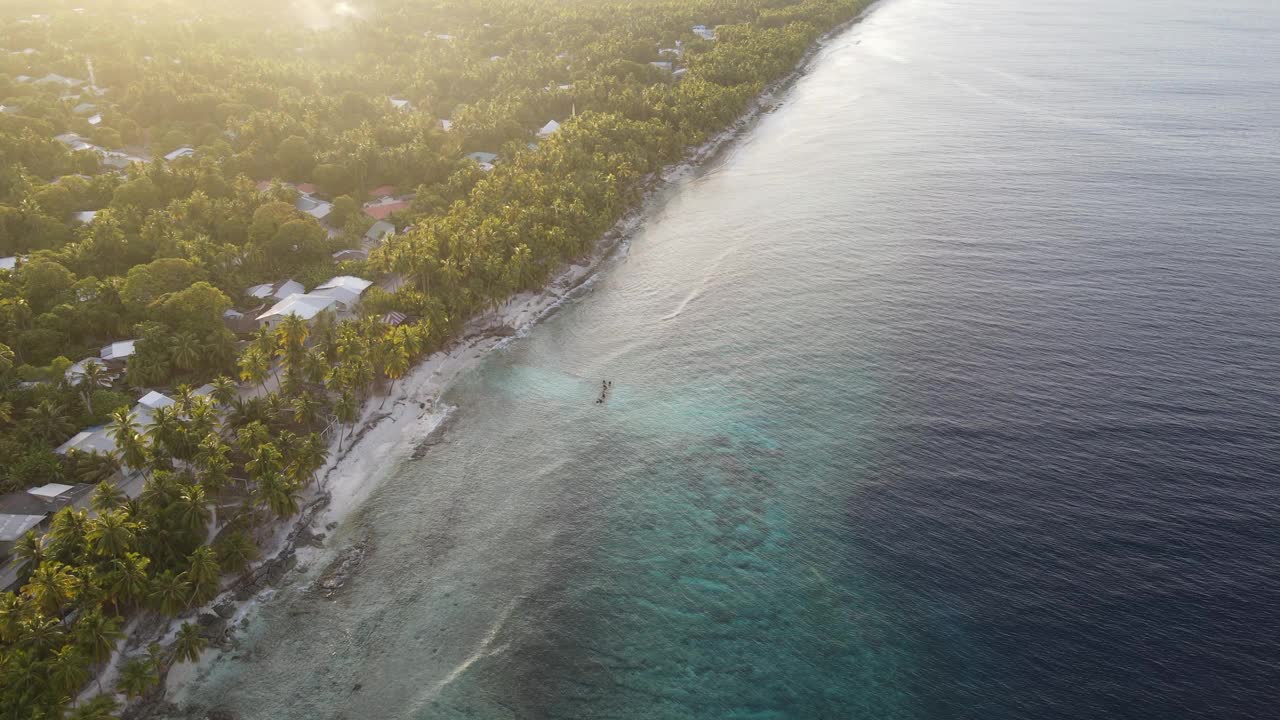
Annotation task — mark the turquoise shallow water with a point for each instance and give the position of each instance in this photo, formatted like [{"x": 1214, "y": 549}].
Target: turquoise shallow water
[{"x": 949, "y": 392}]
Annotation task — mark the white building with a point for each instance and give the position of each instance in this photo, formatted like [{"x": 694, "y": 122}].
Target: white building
[
  {"x": 182, "y": 152},
  {"x": 549, "y": 129},
  {"x": 346, "y": 289},
  {"x": 117, "y": 352},
  {"x": 307, "y": 307},
  {"x": 379, "y": 231},
  {"x": 276, "y": 291},
  {"x": 318, "y": 209},
  {"x": 8, "y": 263}
]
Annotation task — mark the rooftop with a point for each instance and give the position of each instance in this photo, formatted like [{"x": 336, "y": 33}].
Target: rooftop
[
  {"x": 118, "y": 350},
  {"x": 50, "y": 491},
  {"x": 304, "y": 306},
  {"x": 13, "y": 527}
]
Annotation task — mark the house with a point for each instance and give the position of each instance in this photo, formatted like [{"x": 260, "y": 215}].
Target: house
[
  {"x": 702, "y": 32},
  {"x": 350, "y": 255},
  {"x": 394, "y": 318},
  {"x": 238, "y": 322},
  {"x": 182, "y": 152},
  {"x": 56, "y": 79},
  {"x": 56, "y": 496},
  {"x": 379, "y": 231},
  {"x": 382, "y": 191},
  {"x": 400, "y": 103},
  {"x": 444, "y": 36},
  {"x": 446, "y": 124},
  {"x": 90, "y": 440},
  {"x": 318, "y": 209},
  {"x": 662, "y": 65},
  {"x": 346, "y": 289},
  {"x": 307, "y": 307},
  {"x": 10, "y": 109},
  {"x": 549, "y": 129},
  {"x": 95, "y": 120},
  {"x": 119, "y": 160},
  {"x": 74, "y": 142},
  {"x": 679, "y": 74},
  {"x": 84, "y": 217},
  {"x": 13, "y": 526},
  {"x": 276, "y": 291},
  {"x": 674, "y": 52},
  {"x": 99, "y": 440},
  {"x": 8, "y": 263},
  {"x": 115, "y": 355},
  {"x": 485, "y": 160},
  {"x": 84, "y": 108},
  {"x": 305, "y": 188},
  {"x": 383, "y": 208},
  {"x": 77, "y": 371}
]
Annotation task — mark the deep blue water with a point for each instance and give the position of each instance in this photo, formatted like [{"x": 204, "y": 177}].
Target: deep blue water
[{"x": 952, "y": 391}]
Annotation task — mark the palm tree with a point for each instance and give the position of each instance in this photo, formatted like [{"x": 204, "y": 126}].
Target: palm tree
[
  {"x": 306, "y": 409},
  {"x": 52, "y": 587},
  {"x": 192, "y": 509},
  {"x": 107, "y": 497},
  {"x": 97, "y": 634},
  {"x": 203, "y": 574},
  {"x": 93, "y": 377},
  {"x": 165, "y": 431},
  {"x": 315, "y": 365},
  {"x": 130, "y": 447},
  {"x": 29, "y": 550},
  {"x": 255, "y": 367},
  {"x": 346, "y": 410},
  {"x": 130, "y": 583},
  {"x": 160, "y": 490},
  {"x": 235, "y": 551},
  {"x": 183, "y": 396},
  {"x": 112, "y": 534},
  {"x": 211, "y": 462},
  {"x": 266, "y": 459},
  {"x": 224, "y": 390},
  {"x": 203, "y": 418},
  {"x": 277, "y": 494},
  {"x": 395, "y": 364},
  {"x": 12, "y": 611},
  {"x": 309, "y": 457},
  {"x": 137, "y": 677},
  {"x": 42, "y": 633},
  {"x": 6, "y": 412},
  {"x": 291, "y": 339},
  {"x": 67, "y": 533},
  {"x": 48, "y": 421},
  {"x": 186, "y": 350},
  {"x": 169, "y": 592},
  {"x": 188, "y": 644},
  {"x": 69, "y": 670}
]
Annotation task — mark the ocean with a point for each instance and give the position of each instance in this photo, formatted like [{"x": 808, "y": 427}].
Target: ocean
[{"x": 951, "y": 390}]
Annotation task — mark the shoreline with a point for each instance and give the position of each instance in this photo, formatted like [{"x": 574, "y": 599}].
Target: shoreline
[{"x": 405, "y": 423}]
